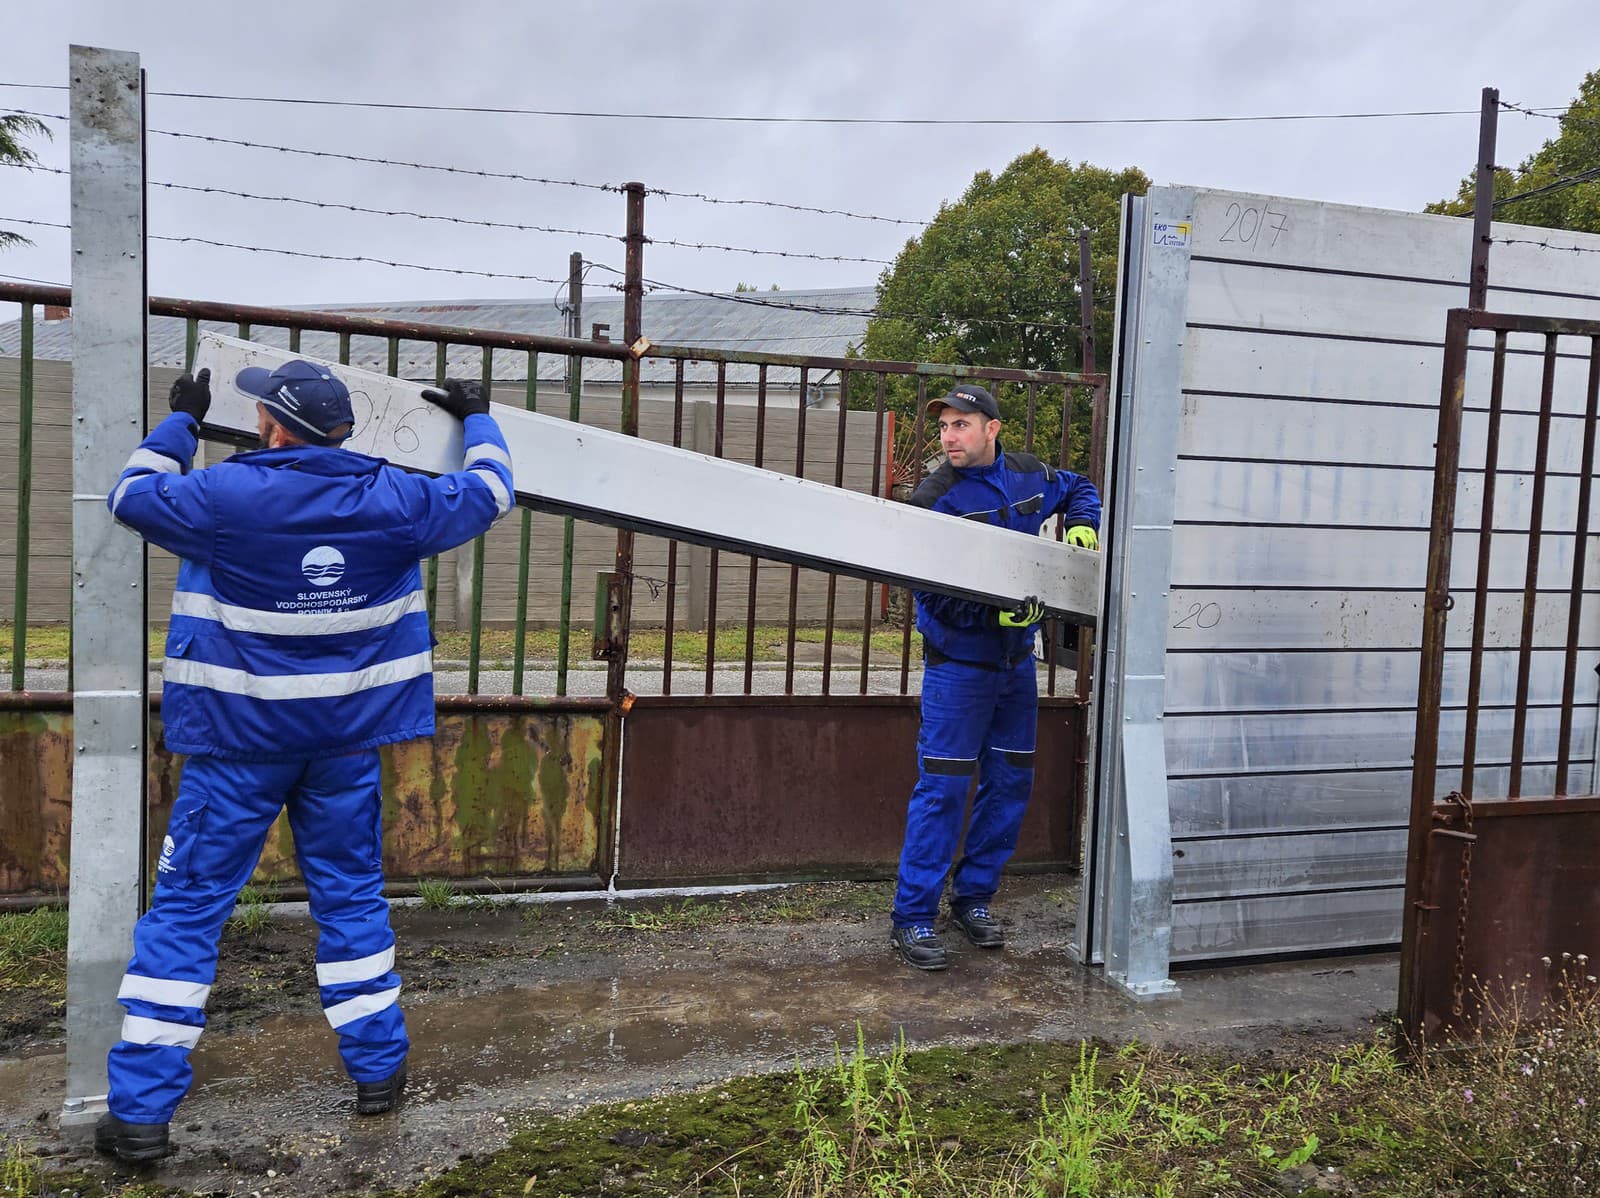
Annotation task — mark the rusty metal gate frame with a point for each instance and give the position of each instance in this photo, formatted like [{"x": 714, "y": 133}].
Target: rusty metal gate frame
[
  {"x": 838, "y": 708},
  {"x": 1497, "y": 887}
]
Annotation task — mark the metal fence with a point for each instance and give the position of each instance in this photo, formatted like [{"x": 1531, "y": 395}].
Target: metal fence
[
  {"x": 1500, "y": 878},
  {"x": 538, "y": 571}
]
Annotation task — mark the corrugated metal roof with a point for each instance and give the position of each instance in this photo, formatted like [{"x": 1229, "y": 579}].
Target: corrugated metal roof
[{"x": 725, "y": 322}]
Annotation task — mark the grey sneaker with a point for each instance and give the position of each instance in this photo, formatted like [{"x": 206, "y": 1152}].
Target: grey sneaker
[
  {"x": 919, "y": 947},
  {"x": 979, "y": 926}
]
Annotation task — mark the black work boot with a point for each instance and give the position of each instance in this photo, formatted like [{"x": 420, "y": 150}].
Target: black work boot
[
  {"x": 130, "y": 1141},
  {"x": 374, "y": 1098},
  {"x": 919, "y": 947},
  {"x": 979, "y": 926}
]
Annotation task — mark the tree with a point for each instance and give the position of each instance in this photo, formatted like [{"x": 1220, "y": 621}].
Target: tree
[
  {"x": 13, "y": 153},
  {"x": 993, "y": 281},
  {"x": 1554, "y": 201}
]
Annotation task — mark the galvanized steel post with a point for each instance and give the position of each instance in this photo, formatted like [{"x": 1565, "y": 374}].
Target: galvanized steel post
[
  {"x": 1129, "y": 910},
  {"x": 110, "y": 704}
]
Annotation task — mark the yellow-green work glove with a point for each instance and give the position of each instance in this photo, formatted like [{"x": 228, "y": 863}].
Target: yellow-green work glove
[
  {"x": 1029, "y": 611},
  {"x": 1083, "y": 536}
]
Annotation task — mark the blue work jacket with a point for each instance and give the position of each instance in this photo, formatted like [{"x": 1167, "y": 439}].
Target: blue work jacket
[
  {"x": 299, "y": 622},
  {"x": 1016, "y": 491}
]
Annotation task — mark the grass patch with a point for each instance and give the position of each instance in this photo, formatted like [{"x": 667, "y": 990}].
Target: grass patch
[
  {"x": 1026, "y": 1121},
  {"x": 685, "y": 916},
  {"x": 33, "y": 947},
  {"x": 1510, "y": 1113},
  {"x": 437, "y": 894},
  {"x": 250, "y": 914}
]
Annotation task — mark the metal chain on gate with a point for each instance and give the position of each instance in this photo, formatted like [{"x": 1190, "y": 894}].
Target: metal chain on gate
[{"x": 1463, "y": 895}]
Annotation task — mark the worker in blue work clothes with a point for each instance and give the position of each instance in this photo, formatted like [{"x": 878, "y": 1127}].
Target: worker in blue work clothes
[
  {"x": 299, "y": 643},
  {"x": 980, "y": 698}
]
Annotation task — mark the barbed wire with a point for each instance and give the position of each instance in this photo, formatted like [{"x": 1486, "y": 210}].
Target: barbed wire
[
  {"x": 484, "y": 224},
  {"x": 1562, "y": 116},
  {"x": 511, "y": 175},
  {"x": 266, "y": 249},
  {"x": 755, "y": 300},
  {"x": 1546, "y": 245}
]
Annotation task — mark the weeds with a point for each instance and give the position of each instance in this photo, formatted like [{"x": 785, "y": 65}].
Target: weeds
[
  {"x": 857, "y": 1134},
  {"x": 250, "y": 911},
  {"x": 1514, "y": 1109},
  {"x": 19, "y": 1172},
  {"x": 33, "y": 946},
  {"x": 687, "y": 916},
  {"x": 437, "y": 894}
]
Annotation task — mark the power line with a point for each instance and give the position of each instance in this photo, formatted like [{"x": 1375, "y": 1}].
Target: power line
[
  {"x": 729, "y": 118},
  {"x": 484, "y": 224},
  {"x": 1560, "y": 184}
]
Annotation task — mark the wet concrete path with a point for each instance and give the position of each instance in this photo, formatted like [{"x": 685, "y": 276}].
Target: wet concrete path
[{"x": 271, "y": 1110}]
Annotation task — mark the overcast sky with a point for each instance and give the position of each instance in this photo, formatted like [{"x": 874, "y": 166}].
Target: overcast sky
[{"x": 1037, "y": 61}]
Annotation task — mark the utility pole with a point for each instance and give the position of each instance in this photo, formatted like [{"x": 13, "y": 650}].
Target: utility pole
[{"x": 575, "y": 295}]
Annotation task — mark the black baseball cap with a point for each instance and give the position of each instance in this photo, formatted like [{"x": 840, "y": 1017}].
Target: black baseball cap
[{"x": 968, "y": 397}]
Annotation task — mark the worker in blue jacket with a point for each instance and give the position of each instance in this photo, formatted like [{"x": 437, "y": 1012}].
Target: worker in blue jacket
[
  {"x": 980, "y": 698},
  {"x": 299, "y": 643}
]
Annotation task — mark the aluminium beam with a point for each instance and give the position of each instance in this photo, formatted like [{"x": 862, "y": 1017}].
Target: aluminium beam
[
  {"x": 572, "y": 469},
  {"x": 110, "y": 704}
]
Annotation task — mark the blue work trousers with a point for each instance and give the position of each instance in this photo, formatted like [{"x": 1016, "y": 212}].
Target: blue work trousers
[
  {"x": 218, "y": 826},
  {"x": 974, "y": 721}
]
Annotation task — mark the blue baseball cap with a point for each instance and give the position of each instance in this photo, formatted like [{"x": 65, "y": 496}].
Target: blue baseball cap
[{"x": 303, "y": 397}]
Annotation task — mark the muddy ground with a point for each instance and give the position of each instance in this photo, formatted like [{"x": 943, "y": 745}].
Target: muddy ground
[{"x": 527, "y": 1010}]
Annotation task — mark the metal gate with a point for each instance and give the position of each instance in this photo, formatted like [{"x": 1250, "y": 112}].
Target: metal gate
[
  {"x": 735, "y": 757},
  {"x": 1502, "y": 876}
]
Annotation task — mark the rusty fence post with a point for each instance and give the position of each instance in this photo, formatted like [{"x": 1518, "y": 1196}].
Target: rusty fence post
[{"x": 1430, "y": 680}]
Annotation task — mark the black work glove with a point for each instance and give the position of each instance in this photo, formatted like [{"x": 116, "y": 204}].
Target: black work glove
[
  {"x": 460, "y": 399},
  {"x": 192, "y": 396},
  {"x": 1029, "y": 611}
]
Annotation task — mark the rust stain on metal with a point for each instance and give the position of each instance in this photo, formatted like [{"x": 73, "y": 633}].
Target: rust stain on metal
[
  {"x": 1535, "y": 895},
  {"x": 777, "y": 789},
  {"x": 35, "y": 786},
  {"x": 511, "y": 794}
]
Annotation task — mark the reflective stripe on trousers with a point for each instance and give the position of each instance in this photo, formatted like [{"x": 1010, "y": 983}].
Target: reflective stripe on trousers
[{"x": 218, "y": 825}]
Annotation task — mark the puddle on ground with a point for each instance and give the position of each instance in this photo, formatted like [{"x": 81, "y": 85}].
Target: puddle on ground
[
  {"x": 656, "y": 1020},
  {"x": 541, "y": 1043}
]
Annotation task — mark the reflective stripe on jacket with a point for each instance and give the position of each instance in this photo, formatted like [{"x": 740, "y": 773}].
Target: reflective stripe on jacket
[{"x": 299, "y": 627}]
